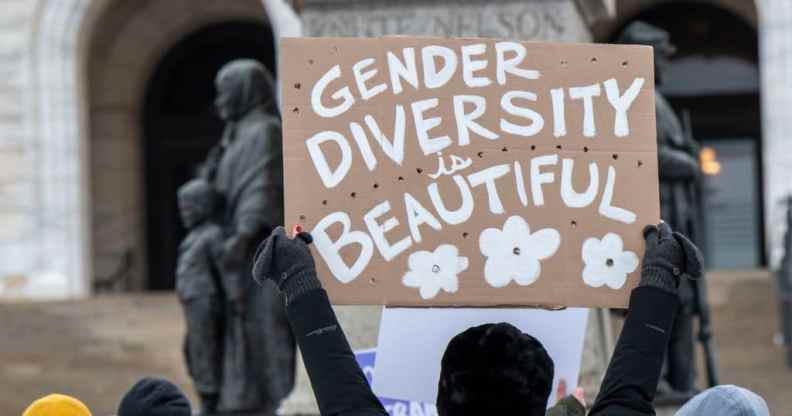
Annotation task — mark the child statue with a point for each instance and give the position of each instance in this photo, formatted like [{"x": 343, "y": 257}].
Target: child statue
[{"x": 198, "y": 288}]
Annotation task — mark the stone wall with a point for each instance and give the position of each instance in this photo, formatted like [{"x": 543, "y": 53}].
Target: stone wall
[
  {"x": 775, "y": 41},
  {"x": 16, "y": 167},
  {"x": 50, "y": 257},
  {"x": 19, "y": 219}
]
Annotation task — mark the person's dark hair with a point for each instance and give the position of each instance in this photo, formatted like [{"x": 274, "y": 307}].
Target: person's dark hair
[{"x": 494, "y": 369}]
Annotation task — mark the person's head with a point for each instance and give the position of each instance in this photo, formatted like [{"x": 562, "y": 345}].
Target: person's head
[
  {"x": 725, "y": 401},
  {"x": 494, "y": 369},
  {"x": 197, "y": 202},
  {"x": 242, "y": 85},
  {"x": 57, "y": 405},
  {"x": 642, "y": 33},
  {"x": 154, "y": 397}
]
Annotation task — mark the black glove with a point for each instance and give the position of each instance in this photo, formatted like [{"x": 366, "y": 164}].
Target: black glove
[
  {"x": 287, "y": 262},
  {"x": 669, "y": 256}
]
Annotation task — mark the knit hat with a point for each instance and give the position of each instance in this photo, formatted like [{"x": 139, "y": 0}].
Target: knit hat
[
  {"x": 57, "y": 405},
  {"x": 725, "y": 401},
  {"x": 494, "y": 369},
  {"x": 154, "y": 397}
]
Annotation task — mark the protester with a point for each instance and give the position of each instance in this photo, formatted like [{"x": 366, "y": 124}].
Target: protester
[
  {"x": 154, "y": 397},
  {"x": 725, "y": 401},
  {"x": 473, "y": 383},
  {"x": 57, "y": 405},
  {"x": 631, "y": 380}
]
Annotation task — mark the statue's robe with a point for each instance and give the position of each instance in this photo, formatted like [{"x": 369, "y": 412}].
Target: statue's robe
[
  {"x": 259, "y": 348},
  {"x": 678, "y": 171}
]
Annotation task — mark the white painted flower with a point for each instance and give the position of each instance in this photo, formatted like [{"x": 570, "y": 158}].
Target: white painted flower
[
  {"x": 514, "y": 253},
  {"x": 432, "y": 271},
  {"x": 606, "y": 262}
]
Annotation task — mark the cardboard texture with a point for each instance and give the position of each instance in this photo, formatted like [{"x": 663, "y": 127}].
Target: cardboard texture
[{"x": 472, "y": 120}]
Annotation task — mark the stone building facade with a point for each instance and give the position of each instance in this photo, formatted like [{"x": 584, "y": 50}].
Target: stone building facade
[
  {"x": 87, "y": 165},
  {"x": 72, "y": 104},
  {"x": 75, "y": 201}
]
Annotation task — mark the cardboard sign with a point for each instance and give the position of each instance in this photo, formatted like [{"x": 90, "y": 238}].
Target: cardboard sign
[
  {"x": 395, "y": 407},
  {"x": 412, "y": 342},
  {"x": 470, "y": 171}
]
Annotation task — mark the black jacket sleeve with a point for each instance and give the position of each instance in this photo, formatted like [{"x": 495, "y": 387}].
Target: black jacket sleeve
[
  {"x": 340, "y": 387},
  {"x": 631, "y": 380}
]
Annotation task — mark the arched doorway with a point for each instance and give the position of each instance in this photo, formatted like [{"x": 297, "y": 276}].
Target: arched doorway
[
  {"x": 714, "y": 81},
  {"x": 180, "y": 126}
]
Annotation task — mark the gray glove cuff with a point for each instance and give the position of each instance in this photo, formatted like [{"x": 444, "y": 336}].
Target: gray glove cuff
[
  {"x": 659, "y": 278},
  {"x": 299, "y": 284}
]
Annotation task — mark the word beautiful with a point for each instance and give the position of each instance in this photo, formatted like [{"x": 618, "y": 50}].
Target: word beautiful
[
  {"x": 417, "y": 215},
  {"x": 439, "y": 66}
]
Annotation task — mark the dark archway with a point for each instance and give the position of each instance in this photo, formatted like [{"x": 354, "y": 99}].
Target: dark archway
[
  {"x": 714, "y": 78},
  {"x": 180, "y": 126}
]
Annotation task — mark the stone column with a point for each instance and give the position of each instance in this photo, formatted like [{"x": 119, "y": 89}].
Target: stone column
[
  {"x": 43, "y": 249},
  {"x": 17, "y": 171},
  {"x": 551, "y": 20},
  {"x": 775, "y": 46}
]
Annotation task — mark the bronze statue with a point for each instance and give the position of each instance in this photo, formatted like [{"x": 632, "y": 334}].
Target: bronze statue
[
  {"x": 245, "y": 169},
  {"x": 197, "y": 285},
  {"x": 679, "y": 206}
]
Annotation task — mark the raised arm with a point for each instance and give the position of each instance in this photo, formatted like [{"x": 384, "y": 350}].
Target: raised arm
[
  {"x": 338, "y": 382},
  {"x": 631, "y": 380}
]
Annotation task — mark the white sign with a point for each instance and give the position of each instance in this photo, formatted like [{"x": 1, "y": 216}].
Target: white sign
[{"x": 412, "y": 342}]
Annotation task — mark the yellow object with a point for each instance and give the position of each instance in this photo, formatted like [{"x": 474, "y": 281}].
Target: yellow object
[{"x": 57, "y": 405}]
